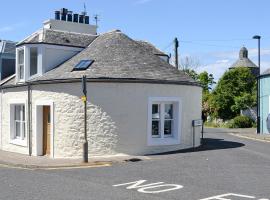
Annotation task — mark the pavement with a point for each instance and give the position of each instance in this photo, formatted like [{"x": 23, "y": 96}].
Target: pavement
[
  {"x": 226, "y": 167},
  {"x": 45, "y": 162}
]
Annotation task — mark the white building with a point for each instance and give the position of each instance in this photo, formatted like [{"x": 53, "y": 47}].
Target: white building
[{"x": 137, "y": 103}]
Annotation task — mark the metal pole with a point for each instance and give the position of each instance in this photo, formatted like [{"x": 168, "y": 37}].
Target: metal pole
[
  {"x": 259, "y": 88},
  {"x": 176, "y": 45},
  {"x": 84, "y": 98},
  {"x": 257, "y": 37}
]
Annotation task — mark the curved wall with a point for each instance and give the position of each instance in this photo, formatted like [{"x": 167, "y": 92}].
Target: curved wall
[{"x": 117, "y": 117}]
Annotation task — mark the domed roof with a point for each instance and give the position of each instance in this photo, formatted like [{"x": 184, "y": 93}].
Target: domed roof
[
  {"x": 118, "y": 57},
  {"x": 243, "y": 60}
]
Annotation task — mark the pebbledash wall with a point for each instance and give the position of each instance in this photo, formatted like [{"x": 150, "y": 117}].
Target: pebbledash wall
[{"x": 117, "y": 117}]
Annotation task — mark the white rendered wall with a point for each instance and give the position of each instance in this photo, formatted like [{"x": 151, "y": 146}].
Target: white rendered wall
[
  {"x": 7, "y": 98},
  {"x": 54, "y": 55},
  {"x": 70, "y": 26},
  {"x": 117, "y": 117}
]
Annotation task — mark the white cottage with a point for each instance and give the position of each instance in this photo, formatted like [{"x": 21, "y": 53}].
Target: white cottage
[{"x": 137, "y": 103}]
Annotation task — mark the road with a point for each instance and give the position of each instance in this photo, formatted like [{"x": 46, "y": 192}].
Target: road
[{"x": 226, "y": 164}]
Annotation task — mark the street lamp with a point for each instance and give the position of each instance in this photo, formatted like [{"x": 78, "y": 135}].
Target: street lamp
[{"x": 257, "y": 37}]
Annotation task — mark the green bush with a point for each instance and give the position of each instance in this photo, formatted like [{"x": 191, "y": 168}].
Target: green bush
[{"x": 241, "y": 122}]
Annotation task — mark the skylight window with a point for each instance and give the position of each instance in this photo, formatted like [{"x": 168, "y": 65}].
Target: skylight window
[{"x": 83, "y": 65}]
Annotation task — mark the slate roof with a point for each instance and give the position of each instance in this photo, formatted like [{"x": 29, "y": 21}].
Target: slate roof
[
  {"x": 7, "y": 47},
  {"x": 151, "y": 48},
  {"x": 65, "y": 38},
  {"x": 116, "y": 56},
  {"x": 243, "y": 60}
]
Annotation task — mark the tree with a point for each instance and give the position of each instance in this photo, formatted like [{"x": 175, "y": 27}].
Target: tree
[
  {"x": 236, "y": 90},
  {"x": 189, "y": 62},
  {"x": 206, "y": 80}
]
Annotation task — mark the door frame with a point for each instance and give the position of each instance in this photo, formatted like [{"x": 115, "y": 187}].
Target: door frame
[{"x": 39, "y": 126}]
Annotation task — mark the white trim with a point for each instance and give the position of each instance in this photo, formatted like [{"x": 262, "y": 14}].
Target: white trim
[
  {"x": 39, "y": 138},
  {"x": 12, "y": 139},
  {"x": 176, "y": 137}
]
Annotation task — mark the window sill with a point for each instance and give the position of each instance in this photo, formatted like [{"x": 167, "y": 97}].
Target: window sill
[
  {"x": 19, "y": 142},
  {"x": 163, "y": 141}
]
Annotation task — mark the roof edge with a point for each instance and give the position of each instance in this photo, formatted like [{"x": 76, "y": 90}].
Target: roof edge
[{"x": 105, "y": 80}]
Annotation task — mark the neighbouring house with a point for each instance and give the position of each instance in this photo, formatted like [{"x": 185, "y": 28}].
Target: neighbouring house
[
  {"x": 137, "y": 103},
  {"x": 244, "y": 61},
  {"x": 265, "y": 102},
  {"x": 7, "y": 58}
]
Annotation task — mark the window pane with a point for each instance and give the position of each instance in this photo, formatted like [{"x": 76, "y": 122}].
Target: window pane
[
  {"x": 168, "y": 111},
  {"x": 168, "y": 127},
  {"x": 155, "y": 111},
  {"x": 155, "y": 128},
  {"x": 21, "y": 71},
  {"x": 21, "y": 56},
  {"x": 23, "y": 112},
  {"x": 23, "y": 129},
  {"x": 18, "y": 112},
  {"x": 17, "y": 129},
  {"x": 33, "y": 60}
]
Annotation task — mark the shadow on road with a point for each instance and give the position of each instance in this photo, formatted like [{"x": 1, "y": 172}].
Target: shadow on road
[{"x": 209, "y": 144}]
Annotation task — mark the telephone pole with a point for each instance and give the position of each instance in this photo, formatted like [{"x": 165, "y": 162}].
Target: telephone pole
[{"x": 176, "y": 45}]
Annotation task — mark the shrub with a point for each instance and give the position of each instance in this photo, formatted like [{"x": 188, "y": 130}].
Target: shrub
[{"x": 241, "y": 122}]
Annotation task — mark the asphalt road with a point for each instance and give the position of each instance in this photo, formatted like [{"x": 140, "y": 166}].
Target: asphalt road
[{"x": 226, "y": 164}]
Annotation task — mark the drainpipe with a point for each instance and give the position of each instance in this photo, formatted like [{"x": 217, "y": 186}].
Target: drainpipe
[{"x": 29, "y": 124}]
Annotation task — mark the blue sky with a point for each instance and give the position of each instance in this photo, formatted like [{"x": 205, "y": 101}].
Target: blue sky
[{"x": 212, "y": 31}]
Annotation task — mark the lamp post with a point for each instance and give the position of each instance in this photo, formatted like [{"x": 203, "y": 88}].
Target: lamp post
[{"x": 257, "y": 37}]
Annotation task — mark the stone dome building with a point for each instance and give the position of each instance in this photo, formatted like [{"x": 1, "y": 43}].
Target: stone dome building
[{"x": 244, "y": 61}]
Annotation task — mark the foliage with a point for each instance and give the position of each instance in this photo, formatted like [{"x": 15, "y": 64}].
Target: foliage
[
  {"x": 191, "y": 73},
  {"x": 235, "y": 90},
  {"x": 241, "y": 122}
]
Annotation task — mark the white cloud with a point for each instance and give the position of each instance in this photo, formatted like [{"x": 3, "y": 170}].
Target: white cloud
[
  {"x": 11, "y": 27},
  {"x": 142, "y": 1},
  {"x": 217, "y": 68},
  {"x": 222, "y": 61}
]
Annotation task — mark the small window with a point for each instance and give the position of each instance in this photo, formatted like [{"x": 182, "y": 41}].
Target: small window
[
  {"x": 83, "y": 65},
  {"x": 19, "y": 122},
  {"x": 33, "y": 60},
  {"x": 164, "y": 121}
]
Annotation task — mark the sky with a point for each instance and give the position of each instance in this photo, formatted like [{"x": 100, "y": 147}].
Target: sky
[{"x": 210, "y": 31}]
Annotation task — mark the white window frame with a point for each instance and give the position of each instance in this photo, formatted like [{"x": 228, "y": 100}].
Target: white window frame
[
  {"x": 37, "y": 67},
  {"x": 163, "y": 139},
  {"x": 22, "y": 140},
  {"x": 19, "y": 65}
]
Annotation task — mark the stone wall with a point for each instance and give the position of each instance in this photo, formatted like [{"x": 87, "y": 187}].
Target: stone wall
[{"x": 117, "y": 117}]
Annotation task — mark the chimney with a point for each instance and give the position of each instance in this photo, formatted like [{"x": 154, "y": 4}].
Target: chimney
[
  {"x": 64, "y": 14},
  {"x": 57, "y": 15},
  {"x": 76, "y": 18},
  {"x": 81, "y": 19},
  {"x": 86, "y": 19},
  {"x": 66, "y": 20},
  {"x": 69, "y": 16}
]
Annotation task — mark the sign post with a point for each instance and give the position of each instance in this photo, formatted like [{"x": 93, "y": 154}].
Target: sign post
[
  {"x": 195, "y": 123},
  {"x": 84, "y": 99}
]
